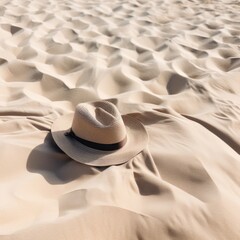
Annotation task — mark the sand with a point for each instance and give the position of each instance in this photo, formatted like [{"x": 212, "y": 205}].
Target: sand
[{"x": 173, "y": 65}]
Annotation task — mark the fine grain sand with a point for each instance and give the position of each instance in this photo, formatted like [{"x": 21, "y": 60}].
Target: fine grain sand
[{"x": 172, "y": 64}]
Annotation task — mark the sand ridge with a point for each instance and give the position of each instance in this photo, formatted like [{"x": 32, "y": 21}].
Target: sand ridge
[{"x": 173, "y": 65}]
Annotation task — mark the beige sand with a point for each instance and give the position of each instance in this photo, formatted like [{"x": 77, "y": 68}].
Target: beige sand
[{"x": 174, "y": 65}]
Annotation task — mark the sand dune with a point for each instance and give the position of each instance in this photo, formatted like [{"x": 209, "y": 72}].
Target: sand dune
[{"x": 174, "y": 66}]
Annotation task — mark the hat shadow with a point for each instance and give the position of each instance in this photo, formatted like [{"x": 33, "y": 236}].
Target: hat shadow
[{"x": 54, "y": 165}]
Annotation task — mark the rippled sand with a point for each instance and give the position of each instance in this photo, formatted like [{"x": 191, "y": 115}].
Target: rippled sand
[{"x": 174, "y": 65}]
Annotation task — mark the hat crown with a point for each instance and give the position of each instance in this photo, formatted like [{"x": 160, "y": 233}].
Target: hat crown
[{"x": 98, "y": 122}]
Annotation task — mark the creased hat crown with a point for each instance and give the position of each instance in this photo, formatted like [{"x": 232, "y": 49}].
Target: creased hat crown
[{"x": 98, "y": 122}]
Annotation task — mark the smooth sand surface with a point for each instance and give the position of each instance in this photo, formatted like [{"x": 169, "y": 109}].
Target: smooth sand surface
[{"x": 173, "y": 65}]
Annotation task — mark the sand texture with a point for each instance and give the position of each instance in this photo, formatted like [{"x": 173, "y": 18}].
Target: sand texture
[{"x": 172, "y": 64}]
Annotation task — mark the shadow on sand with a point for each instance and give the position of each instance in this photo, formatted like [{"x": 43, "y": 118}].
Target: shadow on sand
[{"x": 54, "y": 165}]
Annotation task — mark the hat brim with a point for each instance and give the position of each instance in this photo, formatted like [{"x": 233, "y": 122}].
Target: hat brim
[{"x": 137, "y": 139}]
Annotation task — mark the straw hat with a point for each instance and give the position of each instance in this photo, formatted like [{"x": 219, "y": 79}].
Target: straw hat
[{"x": 96, "y": 134}]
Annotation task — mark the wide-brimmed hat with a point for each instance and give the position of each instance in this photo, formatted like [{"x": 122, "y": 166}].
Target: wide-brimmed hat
[{"x": 98, "y": 135}]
